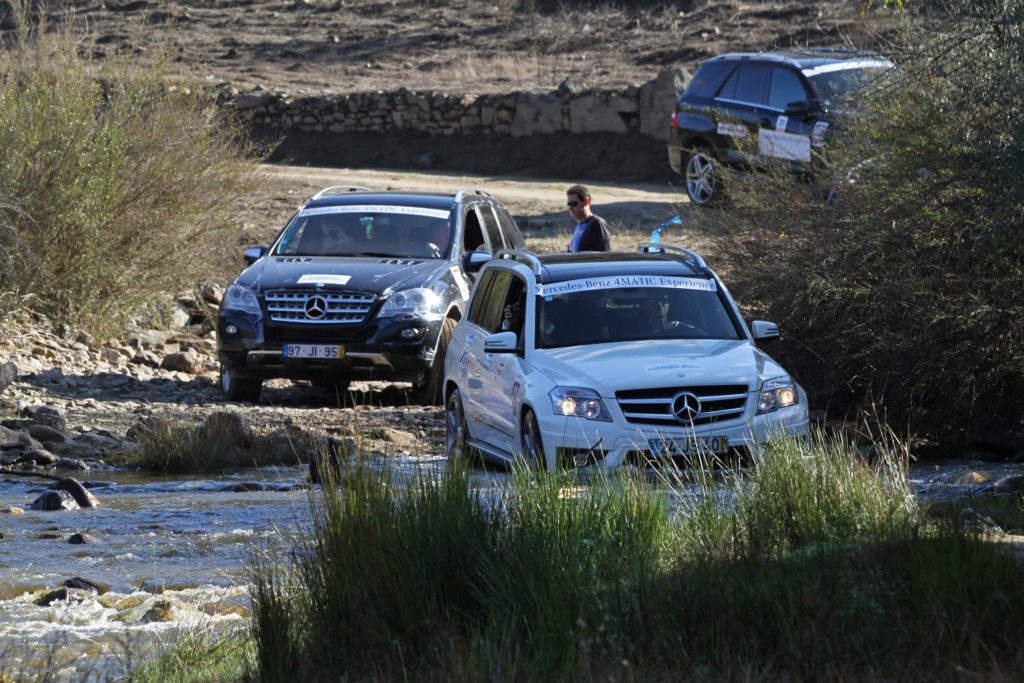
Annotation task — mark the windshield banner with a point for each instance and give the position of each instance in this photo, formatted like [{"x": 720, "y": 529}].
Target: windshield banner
[
  {"x": 625, "y": 282},
  {"x": 376, "y": 208}
]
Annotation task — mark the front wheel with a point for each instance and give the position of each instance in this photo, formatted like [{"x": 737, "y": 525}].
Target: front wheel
[
  {"x": 530, "y": 441},
  {"x": 703, "y": 181},
  {"x": 429, "y": 392},
  {"x": 237, "y": 388},
  {"x": 456, "y": 432}
]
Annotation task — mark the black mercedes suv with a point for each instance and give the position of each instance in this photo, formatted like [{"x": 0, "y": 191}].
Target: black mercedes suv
[
  {"x": 767, "y": 105},
  {"x": 359, "y": 285}
]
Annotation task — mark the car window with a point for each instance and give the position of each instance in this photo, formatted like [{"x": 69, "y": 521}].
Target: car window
[
  {"x": 588, "y": 313},
  {"x": 491, "y": 227},
  {"x": 835, "y": 83},
  {"x": 748, "y": 84},
  {"x": 708, "y": 79},
  {"x": 357, "y": 230},
  {"x": 476, "y": 305},
  {"x": 513, "y": 237},
  {"x": 472, "y": 232},
  {"x": 785, "y": 89},
  {"x": 489, "y": 316}
]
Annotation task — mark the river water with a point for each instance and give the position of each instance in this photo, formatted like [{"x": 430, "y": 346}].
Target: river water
[{"x": 172, "y": 555}]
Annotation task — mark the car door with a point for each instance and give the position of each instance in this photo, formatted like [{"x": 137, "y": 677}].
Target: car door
[
  {"x": 741, "y": 105},
  {"x": 484, "y": 317},
  {"x": 786, "y": 135},
  {"x": 503, "y": 376},
  {"x": 509, "y": 229}
]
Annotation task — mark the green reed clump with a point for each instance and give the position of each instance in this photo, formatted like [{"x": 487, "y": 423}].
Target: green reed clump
[
  {"x": 814, "y": 562},
  {"x": 197, "y": 656},
  {"x": 198, "y": 449},
  {"x": 116, "y": 180}
]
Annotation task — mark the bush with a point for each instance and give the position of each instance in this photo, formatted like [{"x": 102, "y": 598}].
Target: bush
[
  {"x": 906, "y": 290},
  {"x": 116, "y": 181}
]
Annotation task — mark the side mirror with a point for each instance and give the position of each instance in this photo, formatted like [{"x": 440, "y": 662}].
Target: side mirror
[
  {"x": 474, "y": 260},
  {"x": 765, "y": 331},
  {"x": 798, "y": 110},
  {"x": 501, "y": 342},
  {"x": 254, "y": 254}
]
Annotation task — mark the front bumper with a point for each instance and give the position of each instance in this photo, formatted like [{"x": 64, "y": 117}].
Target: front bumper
[
  {"x": 576, "y": 442},
  {"x": 373, "y": 350}
]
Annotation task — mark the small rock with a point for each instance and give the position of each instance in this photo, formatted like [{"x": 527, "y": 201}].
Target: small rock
[
  {"x": 51, "y": 416},
  {"x": 231, "y": 426},
  {"x": 977, "y": 523},
  {"x": 162, "y": 610},
  {"x": 247, "y": 486},
  {"x": 64, "y": 595},
  {"x": 71, "y": 464},
  {"x": 8, "y": 374},
  {"x": 81, "y": 494},
  {"x": 55, "y": 500},
  {"x": 1010, "y": 484},
  {"x": 83, "y": 539},
  {"x": 46, "y": 433},
  {"x": 11, "y": 511},
  {"x": 84, "y": 584},
  {"x": 39, "y": 456},
  {"x": 211, "y": 293},
  {"x": 187, "y": 361}
]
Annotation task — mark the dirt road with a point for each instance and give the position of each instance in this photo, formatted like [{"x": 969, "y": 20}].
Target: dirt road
[{"x": 538, "y": 204}]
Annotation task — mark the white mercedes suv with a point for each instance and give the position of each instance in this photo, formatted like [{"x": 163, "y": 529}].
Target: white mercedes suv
[{"x": 596, "y": 359}]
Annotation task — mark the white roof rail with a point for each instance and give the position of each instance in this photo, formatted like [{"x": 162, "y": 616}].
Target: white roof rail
[
  {"x": 522, "y": 256},
  {"x": 688, "y": 255},
  {"x": 340, "y": 189}
]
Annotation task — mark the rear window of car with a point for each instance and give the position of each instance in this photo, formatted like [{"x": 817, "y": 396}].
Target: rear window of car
[{"x": 708, "y": 79}]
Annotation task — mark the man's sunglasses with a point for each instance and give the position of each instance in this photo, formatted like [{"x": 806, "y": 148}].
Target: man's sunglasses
[{"x": 572, "y": 205}]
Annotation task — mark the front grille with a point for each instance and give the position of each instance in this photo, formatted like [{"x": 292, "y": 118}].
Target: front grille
[
  {"x": 341, "y": 308},
  {"x": 310, "y": 334},
  {"x": 654, "y": 406}
]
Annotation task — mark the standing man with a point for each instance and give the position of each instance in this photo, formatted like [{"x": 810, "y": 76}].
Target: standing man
[{"x": 591, "y": 232}]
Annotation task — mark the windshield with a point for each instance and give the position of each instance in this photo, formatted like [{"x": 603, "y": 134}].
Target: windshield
[
  {"x": 835, "y": 83},
  {"x": 601, "y": 310},
  {"x": 363, "y": 230}
]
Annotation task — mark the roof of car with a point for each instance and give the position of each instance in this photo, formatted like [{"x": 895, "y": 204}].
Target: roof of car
[
  {"x": 807, "y": 58},
  {"x": 431, "y": 200},
  {"x": 562, "y": 267}
]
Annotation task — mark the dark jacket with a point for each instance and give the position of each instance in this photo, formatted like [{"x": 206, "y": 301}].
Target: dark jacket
[{"x": 596, "y": 236}]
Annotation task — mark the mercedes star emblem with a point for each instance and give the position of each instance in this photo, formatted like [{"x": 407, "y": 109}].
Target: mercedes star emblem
[
  {"x": 686, "y": 406},
  {"x": 316, "y": 307}
]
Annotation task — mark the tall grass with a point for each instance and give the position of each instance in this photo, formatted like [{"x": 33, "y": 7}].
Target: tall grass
[
  {"x": 116, "y": 179},
  {"x": 814, "y": 563}
]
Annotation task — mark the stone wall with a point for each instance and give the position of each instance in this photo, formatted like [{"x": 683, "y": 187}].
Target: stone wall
[{"x": 641, "y": 109}]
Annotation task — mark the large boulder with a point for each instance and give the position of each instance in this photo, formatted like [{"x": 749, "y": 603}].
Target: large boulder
[
  {"x": 188, "y": 361},
  {"x": 81, "y": 494},
  {"x": 656, "y": 100},
  {"x": 231, "y": 426},
  {"x": 55, "y": 500},
  {"x": 602, "y": 113},
  {"x": 51, "y": 416}
]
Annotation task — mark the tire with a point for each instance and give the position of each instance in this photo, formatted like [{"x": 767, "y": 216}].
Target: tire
[
  {"x": 237, "y": 388},
  {"x": 430, "y": 390},
  {"x": 703, "y": 179},
  {"x": 456, "y": 432},
  {"x": 530, "y": 441}
]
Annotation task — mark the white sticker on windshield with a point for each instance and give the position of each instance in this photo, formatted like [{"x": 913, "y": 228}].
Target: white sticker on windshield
[
  {"x": 781, "y": 123},
  {"x": 376, "y": 208},
  {"x": 732, "y": 130},
  {"x": 625, "y": 281},
  {"x": 324, "y": 279}
]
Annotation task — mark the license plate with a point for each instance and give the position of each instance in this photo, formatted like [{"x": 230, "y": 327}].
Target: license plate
[
  {"x": 718, "y": 445},
  {"x": 317, "y": 351}
]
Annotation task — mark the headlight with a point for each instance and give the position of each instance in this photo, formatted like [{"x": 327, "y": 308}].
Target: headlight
[
  {"x": 239, "y": 298},
  {"x": 776, "y": 393},
  {"x": 574, "y": 401},
  {"x": 419, "y": 303}
]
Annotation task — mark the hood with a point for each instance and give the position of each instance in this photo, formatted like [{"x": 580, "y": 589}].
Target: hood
[
  {"x": 365, "y": 274},
  {"x": 608, "y": 368}
]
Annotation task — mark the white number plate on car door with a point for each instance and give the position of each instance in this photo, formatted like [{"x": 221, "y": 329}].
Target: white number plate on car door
[
  {"x": 318, "y": 351},
  {"x": 719, "y": 445}
]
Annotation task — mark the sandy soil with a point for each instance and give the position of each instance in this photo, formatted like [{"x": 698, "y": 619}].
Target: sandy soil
[{"x": 320, "y": 46}]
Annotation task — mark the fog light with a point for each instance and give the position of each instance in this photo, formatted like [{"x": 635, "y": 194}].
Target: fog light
[
  {"x": 231, "y": 329},
  {"x": 411, "y": 333}
]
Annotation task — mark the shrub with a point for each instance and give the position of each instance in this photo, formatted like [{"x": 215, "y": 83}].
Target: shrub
[
  {"x": 906, "y": 290},
  {"x": 117, "y": 183}
]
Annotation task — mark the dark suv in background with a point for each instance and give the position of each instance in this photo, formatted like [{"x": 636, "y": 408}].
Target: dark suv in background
[
  {"x": 359, "y": 285},
  {"x": 769, "y": 105}
]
